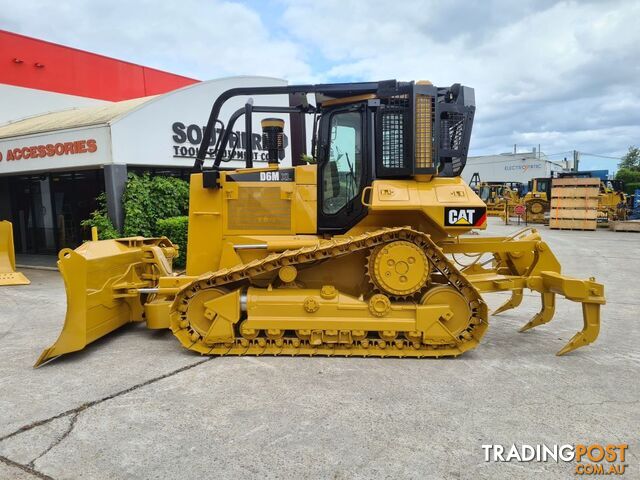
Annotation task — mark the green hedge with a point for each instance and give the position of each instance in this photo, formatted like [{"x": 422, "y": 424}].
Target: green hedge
[
  {"x": 153, "y": 206},
  {"x": 631, "y": 188},
  {"x": 631, "y": 179},
  {"x": 148, "y": 199},
  {"x": 100, "y": 219},
  {"x": 175, "y": 228}
]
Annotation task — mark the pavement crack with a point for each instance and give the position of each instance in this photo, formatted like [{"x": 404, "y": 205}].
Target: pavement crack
[
  {"x": 25, "y": 468},
  {"x": 600, "y": 404},
  {"x": 57, "y": 441},
  {"x": 84, "y": 406}
]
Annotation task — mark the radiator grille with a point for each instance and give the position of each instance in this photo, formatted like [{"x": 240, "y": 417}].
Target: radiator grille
[
  {"x": 451, "y": 130},
  {"x": 424, "y": 131},
  {"x": 259, "y": 208},
  {"x": 393, "y": 154}
]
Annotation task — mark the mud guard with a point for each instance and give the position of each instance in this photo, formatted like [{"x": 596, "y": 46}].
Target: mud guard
[{"x": 101, "y": 280}]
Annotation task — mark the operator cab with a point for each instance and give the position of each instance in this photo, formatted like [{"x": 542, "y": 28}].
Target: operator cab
[
  {"x": 363, "y": 132},
  {"x": 342, "y": 171},
  {"x": 540, "y": 187}
]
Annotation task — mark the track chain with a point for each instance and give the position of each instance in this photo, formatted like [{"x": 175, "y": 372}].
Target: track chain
[{"x": 240, "y": 275}]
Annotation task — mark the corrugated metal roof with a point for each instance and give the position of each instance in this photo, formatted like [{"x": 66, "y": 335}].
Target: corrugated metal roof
[{"x": 72, "y": 118}]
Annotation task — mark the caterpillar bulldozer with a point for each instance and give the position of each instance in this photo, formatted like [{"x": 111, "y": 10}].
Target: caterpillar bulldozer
[
  {"x": 537, "y": 200},
  {"x": 353, "y": 255},
  {"x": 500, "y": 197}
]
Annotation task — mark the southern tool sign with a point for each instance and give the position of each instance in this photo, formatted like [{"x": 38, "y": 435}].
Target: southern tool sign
[{"x": 187, "y": 139}]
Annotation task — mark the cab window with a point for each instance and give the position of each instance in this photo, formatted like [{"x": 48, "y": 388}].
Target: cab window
[
  {"x": 543, "y": 185},
  {"x": 484, "y": 193},
  {"x": 342, "y": 173}
]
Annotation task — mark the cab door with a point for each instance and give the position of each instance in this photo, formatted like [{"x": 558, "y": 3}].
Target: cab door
[{"x": 343, "y": 169}]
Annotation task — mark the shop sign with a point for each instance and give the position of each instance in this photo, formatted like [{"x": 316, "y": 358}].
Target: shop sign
[
  {"x": 187, "y": 138},
  {"x": 523, "y": 167},
  {"x": 49, "y": 150}
]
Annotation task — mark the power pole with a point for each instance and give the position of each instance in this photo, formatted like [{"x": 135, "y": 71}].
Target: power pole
[{"x": 576, "y": 160}]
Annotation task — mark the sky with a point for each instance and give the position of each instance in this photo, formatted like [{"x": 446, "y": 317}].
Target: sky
[{"x": 564, "y": 75}]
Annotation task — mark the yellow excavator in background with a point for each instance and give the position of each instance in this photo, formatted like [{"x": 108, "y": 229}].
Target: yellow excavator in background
[
  {"x": 355, "y": 255},
  {"x": 8, "y": 274}
]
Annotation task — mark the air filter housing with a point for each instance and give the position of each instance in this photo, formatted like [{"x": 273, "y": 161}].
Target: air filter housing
[{"x": 273, "y": 138}]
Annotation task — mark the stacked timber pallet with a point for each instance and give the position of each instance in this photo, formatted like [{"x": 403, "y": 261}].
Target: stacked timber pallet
[
  {"x": 625, "y": 226},
  {"x": 574, "y": 203}
]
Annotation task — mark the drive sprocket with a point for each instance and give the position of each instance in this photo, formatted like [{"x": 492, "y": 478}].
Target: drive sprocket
[{"x": 399, "y": 268}]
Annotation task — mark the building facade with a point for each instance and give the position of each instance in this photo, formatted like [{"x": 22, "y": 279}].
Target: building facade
[
  {"x": 65, "y": 141},
  {"x": 512, "y": 167},
  {"x": 53, "y": 166}
]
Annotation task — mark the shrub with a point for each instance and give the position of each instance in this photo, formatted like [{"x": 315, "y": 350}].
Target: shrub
[
  {"x": 631, "y": 188},
  {"x": 101, "y": 220},
  {"x": 148, "y": 199},
  {"x": 175, "y": 229},
  {"x": 629, "y": 177},
  {"x": 153, "y": 207}
]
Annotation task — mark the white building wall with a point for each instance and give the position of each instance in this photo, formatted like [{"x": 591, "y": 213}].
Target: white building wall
[
  {"x": 17, "y": 102},
  {"x": 167, "y": 130},
  {"x": 520, "y": 167},
  {"x": 162, "y": 132}
]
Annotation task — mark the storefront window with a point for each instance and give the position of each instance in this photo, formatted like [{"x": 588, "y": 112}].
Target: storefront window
[{"x": 47, "y": 209}]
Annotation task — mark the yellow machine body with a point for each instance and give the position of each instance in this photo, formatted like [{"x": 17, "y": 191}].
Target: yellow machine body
[
  {"x": 283, "y": 215},
  {"x": 536, "y": 200},
  {"x": 266, "y": 276},
  {"x": 8, "y": 274},
  {"x": 309, "y": 294},
  {"x": 500, "y": 199},
  {"x": 611, "y": 204}
]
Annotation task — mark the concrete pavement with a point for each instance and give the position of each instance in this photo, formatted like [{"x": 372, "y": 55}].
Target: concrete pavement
[{"x": 136, "y": 405}]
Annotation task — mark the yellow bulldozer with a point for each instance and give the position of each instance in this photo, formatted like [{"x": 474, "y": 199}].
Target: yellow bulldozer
[
  {"x": 612, "y": 201},
  {"x": 537, "y": 200},
  {"x": 354, "y": 255},
  {"x": 500, "y": 197}
]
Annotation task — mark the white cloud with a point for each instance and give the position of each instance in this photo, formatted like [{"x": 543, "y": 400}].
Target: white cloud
[
  {"x": 201, "y": 39},
  {"x": 554, "y": 73},
  {"x": 564, "y": 74}
]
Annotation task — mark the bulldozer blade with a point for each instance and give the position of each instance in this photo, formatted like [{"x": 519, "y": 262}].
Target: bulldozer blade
[
  {"x": 513, "y": 302},
  {"x": 8, "y": 274},
  {"x": 101, "y": 279},
  {"x": 590, "y": 331},
  {"x": 13, "y": 278}
]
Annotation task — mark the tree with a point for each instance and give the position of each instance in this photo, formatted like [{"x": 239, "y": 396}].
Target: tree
[{"x": 631, "y": 159}]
